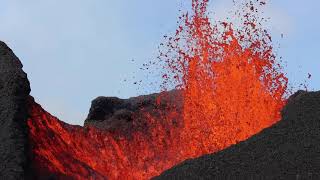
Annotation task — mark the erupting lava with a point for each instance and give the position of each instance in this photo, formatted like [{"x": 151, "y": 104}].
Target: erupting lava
[{"x": 231, "y": 89}]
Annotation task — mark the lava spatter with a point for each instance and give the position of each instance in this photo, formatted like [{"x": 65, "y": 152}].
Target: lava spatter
[
  {"x": 232, "y": 85},
  {"x": 231, "y": 88}
]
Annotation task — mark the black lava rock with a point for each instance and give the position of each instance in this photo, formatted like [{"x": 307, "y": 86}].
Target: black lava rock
[
  {"x": 112, "y": 113},
  {"x": 290, "y": 149},
  {"x": 14, "y": 92}
]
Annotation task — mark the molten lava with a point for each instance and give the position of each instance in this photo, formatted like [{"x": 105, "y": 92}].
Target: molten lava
[
  {"x": 88, "y": 153},
  {"x": 231, "y": 88}
]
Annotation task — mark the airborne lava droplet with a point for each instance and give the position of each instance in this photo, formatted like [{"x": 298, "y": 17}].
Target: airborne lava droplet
[{"x": 231, "y": 88}]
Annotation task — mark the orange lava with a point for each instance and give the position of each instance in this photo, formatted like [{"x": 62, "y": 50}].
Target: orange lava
[
  {"x": 231, "y": 87},
  {"x": 65, "y": 151}
]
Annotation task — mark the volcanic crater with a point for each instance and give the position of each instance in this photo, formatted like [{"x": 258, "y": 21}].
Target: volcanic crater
[{"x": 227, "y": 117}]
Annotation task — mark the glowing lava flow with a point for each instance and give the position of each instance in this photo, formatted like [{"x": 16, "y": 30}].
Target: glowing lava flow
[
  {"x": 231, "y": 84},
  {"x": 65, "y": 151},
  {"x": 231, "y": 89}
]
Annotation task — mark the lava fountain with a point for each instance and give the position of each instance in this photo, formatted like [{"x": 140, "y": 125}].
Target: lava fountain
[{"x": 231, "y": 88}]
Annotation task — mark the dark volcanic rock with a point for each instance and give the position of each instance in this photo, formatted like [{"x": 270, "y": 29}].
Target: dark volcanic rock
[
  {"x": 111, "y": 113},
  {"x": 288, "y": 150},
  {"x": 14, "y": 91}
]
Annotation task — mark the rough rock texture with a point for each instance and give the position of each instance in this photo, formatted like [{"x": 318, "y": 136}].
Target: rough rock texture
[
  {"x": 288, "y": 150},
  {"x": 14, "y": 90},
  {"x": 110, "y": 113}
]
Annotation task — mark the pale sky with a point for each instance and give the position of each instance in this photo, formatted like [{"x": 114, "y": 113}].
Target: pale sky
[{"x": 76, "y": 50}]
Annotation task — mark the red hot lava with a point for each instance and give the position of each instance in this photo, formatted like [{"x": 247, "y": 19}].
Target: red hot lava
[{"x": 231, "y": 88}]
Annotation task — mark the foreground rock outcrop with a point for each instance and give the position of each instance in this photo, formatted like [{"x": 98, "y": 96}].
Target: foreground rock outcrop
[
  {"x": 14, "y": 91},
  {"x": 288, "y": 150}
]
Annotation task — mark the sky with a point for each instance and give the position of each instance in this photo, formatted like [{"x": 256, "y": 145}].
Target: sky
[{"x": 76, "y": 50}]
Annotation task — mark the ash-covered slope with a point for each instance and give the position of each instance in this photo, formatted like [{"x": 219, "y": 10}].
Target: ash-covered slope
[
  {"x": 288, "y": 150},
  {"x": 14, "y": 90}
]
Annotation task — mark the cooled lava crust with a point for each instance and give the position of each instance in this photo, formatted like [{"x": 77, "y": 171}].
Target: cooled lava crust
[{"x": 14, "y": 91}]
